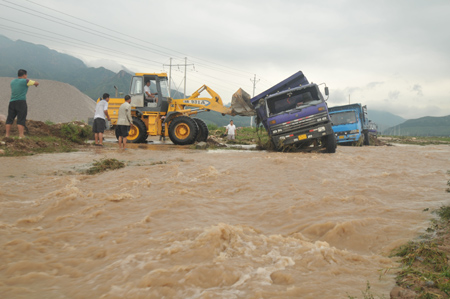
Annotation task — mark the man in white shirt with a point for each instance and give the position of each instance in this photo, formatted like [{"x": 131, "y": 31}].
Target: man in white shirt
[
  {"x": 148, "y": 94},
  {"x": 231, "y": 130},
  {"x": 101, "y": 113},
  {"x": 124, "y": 122}
]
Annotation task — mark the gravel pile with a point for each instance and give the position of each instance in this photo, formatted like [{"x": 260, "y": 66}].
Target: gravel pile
[{"x": 50, "y": 101}]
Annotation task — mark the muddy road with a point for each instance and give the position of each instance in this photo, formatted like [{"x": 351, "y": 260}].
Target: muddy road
[{"x": 183, "y": 223}]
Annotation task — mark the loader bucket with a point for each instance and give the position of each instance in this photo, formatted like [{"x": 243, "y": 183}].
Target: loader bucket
[{"x": 240, "y": 104}]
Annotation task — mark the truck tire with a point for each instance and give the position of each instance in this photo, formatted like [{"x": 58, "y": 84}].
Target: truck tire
[
  {"x": 183, "y": 130},
  {"x": 138, "y": 132},
  {"x": 202, "y": 130},
  {"x": 366, "y": 138},
  {"x": 330, "y": 143}
]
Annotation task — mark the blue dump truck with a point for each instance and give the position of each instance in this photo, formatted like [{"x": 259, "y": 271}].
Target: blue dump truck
[
  {"x": 350, "y": 124},
  {"x": 295, "y": 115}
]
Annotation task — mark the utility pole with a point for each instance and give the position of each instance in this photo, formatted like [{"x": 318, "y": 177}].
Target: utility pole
[
  {"x": 178, "y": 65},
  {"x": 254, "y": 86}
]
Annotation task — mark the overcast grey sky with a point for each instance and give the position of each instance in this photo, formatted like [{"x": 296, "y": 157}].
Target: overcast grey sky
[{"x": 389, "y": 55}]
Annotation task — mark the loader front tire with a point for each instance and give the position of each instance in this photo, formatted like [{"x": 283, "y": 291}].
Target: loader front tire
[
  {"x": 202, "y": 130},
  {"x": 138, "y": 132},
  {"x": 183, "y": 130}
]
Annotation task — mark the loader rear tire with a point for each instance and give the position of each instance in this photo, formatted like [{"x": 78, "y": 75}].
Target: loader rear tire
[
  {"x": 202, "y": 130},
  {"x": 138, "y": 132},
  {"x": 183, "y": 130}
]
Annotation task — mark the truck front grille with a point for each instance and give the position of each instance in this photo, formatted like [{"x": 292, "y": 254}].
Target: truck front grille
[{"x": 299, "y": 124}]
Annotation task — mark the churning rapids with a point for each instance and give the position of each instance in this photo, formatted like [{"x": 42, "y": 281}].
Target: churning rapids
[{"x": 182, "y": 223}]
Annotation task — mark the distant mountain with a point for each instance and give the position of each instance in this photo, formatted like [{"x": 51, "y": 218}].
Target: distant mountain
[
  {"x": 220, "y": 120},
  {"x": 384, "y": 119},
  {"x": 44, "y": 63},
  {"x": 424, "y": 126}
]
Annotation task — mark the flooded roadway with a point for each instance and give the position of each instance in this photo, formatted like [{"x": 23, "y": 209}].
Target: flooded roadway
[{"x": 182, "y": 223}]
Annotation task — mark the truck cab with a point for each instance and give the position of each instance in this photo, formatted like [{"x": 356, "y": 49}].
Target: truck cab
[
  {"x": 295, "y": 114},
  {"x": 350, "y": 124}
]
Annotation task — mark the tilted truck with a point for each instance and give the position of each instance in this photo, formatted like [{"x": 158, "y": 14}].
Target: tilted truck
[
  {"x": 350, "y": 124},
  {"x": 295, "y": 114},
  {"x": 148, "y": 115}
]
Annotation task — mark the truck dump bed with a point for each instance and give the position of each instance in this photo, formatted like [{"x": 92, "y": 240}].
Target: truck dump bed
[{"x": 296, "y": 80}]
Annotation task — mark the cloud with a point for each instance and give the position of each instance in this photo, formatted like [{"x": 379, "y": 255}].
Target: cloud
[
  {"x": 373, "y": 85},
  {"x": 392, "y": 96},
  {"x": 418, "y": 89}
]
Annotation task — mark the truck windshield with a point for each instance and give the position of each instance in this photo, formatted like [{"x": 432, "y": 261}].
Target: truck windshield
[
  {"x": 342, "y": 118},
  {"x": 164, "y": 88},
  {"x": 298, "y": 99}
]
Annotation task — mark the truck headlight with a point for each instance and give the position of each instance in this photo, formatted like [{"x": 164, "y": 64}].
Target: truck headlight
[
  {"x": 354, "y": 131},
  {"x": 320, "y": 129}
]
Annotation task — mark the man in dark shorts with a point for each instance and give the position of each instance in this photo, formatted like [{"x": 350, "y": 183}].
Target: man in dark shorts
[
  {"x": 18, "y": 103},
  {"x": 124, "y": 122},
  {"x": 101, "y": 113}
]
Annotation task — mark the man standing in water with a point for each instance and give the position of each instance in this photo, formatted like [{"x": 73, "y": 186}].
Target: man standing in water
[
  {"x": 231, "y": 130},
  {"x": 18, "y": 102},
  {"x": 99, "y": 126},
  {"x": 124, "y": 122}
]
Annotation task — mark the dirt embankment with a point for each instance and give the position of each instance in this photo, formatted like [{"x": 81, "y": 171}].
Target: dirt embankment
[{"x": 42, "y": 137}]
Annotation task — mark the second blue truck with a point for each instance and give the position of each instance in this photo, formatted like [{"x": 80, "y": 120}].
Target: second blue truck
[{"x": 350, "y": 124}]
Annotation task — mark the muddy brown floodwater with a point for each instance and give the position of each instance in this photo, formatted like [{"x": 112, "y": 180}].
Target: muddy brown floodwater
[{"x": 182, "y": 223}]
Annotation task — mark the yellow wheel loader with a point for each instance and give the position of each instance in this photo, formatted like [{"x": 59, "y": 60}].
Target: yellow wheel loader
[{"x": 149, "y": 113}]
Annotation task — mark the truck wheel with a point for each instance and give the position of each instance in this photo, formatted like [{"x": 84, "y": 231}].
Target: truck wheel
[
  {"x": 183, "y": 130},
  {"x": 138, "y": 132},
  {"x": 366, "y": 139},
  {"x": 202, "y": 130},
  {"x": 330, "y": 143}
]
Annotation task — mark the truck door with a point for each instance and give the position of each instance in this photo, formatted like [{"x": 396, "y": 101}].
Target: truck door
[{"x": 137, "y": 91}]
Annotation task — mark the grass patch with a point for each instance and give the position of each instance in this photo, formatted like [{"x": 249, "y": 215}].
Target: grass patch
[
  {"x": 46, "y": 138},
  {"x": 246, "y": 135},
  {"x": 425, "y": 265},
  {"x": 76, "y": 133},
  {"x": 418, "y": 140},
  {"x": 105, "y": 165},
  {"x": 15, "y": 147}
]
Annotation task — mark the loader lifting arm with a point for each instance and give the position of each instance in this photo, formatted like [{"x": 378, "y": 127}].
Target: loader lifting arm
[{"x": 213, "y": 103}]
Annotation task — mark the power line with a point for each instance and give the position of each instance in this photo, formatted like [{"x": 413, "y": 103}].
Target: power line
[
  {"x": 124, "y": 34},
  {"x": 216, "y": 68}
]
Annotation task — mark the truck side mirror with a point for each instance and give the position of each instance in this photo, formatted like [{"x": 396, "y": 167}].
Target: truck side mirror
[{"x": 326, "y": 91}]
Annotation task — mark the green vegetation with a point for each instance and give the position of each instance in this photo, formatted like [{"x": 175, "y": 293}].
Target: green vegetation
[
  {"x": 416, "y": 140},
  {"x": 246, "y": 135},
  {"x": 105, "y": 165},
  {"x": 34, "y": 145},
  {"x": 76, "y": 133},
  {"x": 46, "y": 138},
  {"x": 424, "y": 263}
]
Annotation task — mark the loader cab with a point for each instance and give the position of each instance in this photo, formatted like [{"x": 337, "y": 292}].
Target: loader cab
[{"x": 158, "y": 86}]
